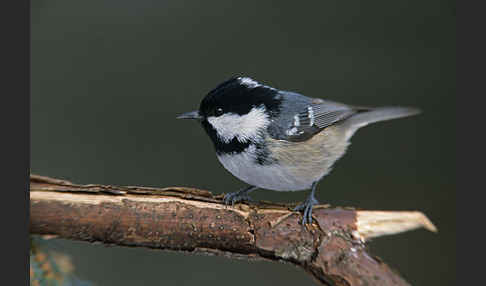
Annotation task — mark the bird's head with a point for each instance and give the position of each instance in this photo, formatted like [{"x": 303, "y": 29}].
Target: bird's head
[{"x": 235, "y": 113}]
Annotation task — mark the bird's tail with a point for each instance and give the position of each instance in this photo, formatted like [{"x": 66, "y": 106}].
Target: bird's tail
[{"x": 373, "y": 115}]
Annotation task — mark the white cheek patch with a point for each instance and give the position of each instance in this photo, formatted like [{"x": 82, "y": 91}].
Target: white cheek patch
[{"x": 243, "y": 127}]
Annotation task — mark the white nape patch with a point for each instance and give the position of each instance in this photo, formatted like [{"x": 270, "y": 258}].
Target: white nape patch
[
  {"x": 310, "y": 112},
  {"x": 243, "y": 127},
  {"x": 248, "y": 82}
]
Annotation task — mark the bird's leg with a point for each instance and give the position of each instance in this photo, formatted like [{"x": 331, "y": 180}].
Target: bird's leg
[
  {"x": 241, "y": 195},
  {"x": 307, "y": 205}
]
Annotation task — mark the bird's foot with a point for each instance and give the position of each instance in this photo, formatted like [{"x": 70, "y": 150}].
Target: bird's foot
[
  {"x": 307, "y": 208},
  {"x": 234, "y": 197}
]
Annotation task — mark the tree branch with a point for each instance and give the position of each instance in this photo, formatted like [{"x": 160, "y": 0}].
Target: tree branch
[{"x": 332, "y": 249}]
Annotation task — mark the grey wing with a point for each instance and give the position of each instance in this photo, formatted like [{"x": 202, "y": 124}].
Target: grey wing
[{"x": 314, "y": 117}]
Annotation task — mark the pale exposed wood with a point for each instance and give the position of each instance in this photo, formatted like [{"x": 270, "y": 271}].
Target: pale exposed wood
[{"x": 379, "y": 223}]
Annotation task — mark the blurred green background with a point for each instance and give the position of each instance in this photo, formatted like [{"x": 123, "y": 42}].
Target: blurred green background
[{"x": 109, "y": 78}]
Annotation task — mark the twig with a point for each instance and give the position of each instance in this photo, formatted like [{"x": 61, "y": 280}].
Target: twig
[{"x": 186, "y": 219}]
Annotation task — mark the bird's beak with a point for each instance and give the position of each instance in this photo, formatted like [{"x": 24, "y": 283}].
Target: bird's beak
[{"x": 190, "y": 115}]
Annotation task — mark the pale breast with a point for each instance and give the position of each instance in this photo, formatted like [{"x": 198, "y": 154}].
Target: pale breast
[{"x": 297, "y": 164}]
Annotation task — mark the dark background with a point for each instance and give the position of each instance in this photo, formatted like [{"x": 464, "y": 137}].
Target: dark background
[{"x": 109, "y": 78}]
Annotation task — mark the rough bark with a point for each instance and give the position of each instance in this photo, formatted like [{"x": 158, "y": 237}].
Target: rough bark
[{"x": 332, "y": 249}]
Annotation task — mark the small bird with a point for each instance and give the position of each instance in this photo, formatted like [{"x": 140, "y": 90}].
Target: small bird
[{"x": 280, "y": 140}]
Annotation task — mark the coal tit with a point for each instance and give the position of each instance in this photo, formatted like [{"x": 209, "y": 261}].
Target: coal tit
[{"x": 280, "y": 140}]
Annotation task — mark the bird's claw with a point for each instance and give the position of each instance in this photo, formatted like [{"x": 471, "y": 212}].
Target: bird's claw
[
  {"x": 232, "y": 198},
  {"x": 307, "y": 208}
]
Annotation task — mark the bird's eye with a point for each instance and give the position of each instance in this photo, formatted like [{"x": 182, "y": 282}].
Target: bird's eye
[{"x": 219, "y": 111}]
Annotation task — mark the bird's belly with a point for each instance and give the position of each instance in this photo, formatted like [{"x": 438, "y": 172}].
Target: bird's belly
[
  {"x": 272, "y": 177},
  {"x": 293, "y": 166}
]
